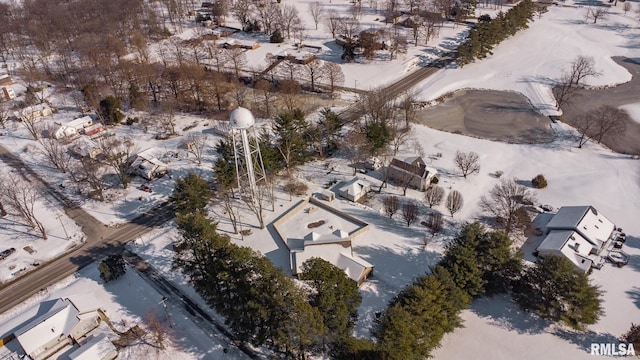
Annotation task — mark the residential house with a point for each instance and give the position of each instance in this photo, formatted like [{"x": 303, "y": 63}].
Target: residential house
[
  {"x": 148, "y": 166},
  {"x": 33, "y": 113},
  {"x": 97, "y": 347},
  {"x": 61, "y": 325},
  {"x": 580, "y": 233},
  {"x": 73, "y": 128},
  {"x": 412, "y": 172},
  {"x": 334, "y": 248},
  {"x": 355, "y": 189},
  {"x": 242, "y": 44},
  {"x": 94, "y": 130},
  {"x": 84, "y": 147}
]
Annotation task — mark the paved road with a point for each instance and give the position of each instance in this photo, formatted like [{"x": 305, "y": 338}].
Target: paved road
[
  {"x": 355, "y": 110},
  {"x": 101, "y": 241}
]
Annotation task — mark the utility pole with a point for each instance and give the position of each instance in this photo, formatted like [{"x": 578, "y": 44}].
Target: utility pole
[
  {"x": 166, "y": 312},
  {"x": 59, "y": 217}
]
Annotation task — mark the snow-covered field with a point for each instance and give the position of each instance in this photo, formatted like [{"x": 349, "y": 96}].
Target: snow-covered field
[{"x": 525, "y": 63}]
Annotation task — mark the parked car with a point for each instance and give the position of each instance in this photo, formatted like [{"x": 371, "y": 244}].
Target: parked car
[
  {"x": 5, "y": 253},
  {"x": 145, "y": 187}
]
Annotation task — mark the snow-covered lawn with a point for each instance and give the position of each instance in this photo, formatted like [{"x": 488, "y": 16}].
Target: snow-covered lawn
[{"x": 127, "y": 302}]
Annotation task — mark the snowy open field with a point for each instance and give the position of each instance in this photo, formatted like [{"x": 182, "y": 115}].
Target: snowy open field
[{"x": 525, "y": 63}]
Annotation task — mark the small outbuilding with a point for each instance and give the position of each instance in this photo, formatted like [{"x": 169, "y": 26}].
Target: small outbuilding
[
  {"x": 355, "y": 189},
  {"x": 327, "y": 195}
]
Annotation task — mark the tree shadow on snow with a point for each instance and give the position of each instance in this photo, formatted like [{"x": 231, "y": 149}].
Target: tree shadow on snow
[
  {"x": 504, "y": 313},
  {"x": 583, "y": 340},
  {"x": 634, "y": 294}
]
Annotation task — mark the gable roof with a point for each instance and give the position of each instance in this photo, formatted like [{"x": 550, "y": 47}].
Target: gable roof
[
  {"x": 586, "y": 220},
  {"x": 416, "y": 166},
  {"x": 356, "y": 186},
  {"x": 570, "y": 244},
  {"x": 58, "y": 320}
]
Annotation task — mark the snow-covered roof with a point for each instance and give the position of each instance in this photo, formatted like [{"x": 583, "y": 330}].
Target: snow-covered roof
[
  {"x": 84, "y": 146},
  {"x": 147, "y": 155},
  {"x": 570, "y": 244},
  {"x": 356, "y": 186},
  {"x": 58, "y": 320},
  {"x": 96, "y": 347},
  {"x": 586, "y": 220},
  {"x": 335, "y": 252},
  {"x": 79, "y": 122},
  {"x": 34, "y": 109}
]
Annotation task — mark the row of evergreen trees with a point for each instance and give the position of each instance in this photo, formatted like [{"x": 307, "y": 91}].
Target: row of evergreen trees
[
  {"x": 490, "y": 32},
  {"x": 260, "y": 303},
  {"x": 478, "y": 263}
]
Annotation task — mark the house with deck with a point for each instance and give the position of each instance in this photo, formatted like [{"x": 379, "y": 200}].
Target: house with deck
[{"x": 579, "y": 233}]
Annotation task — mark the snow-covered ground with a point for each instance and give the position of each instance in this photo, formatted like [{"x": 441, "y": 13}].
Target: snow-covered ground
[
  {"x": 530, "y": 61},
  {"x": 128, "y": 301},
  {"x": 525, "y": 63}
]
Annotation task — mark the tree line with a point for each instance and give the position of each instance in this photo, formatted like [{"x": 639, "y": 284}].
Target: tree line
[
  {"x": 263, "y": 306},
  {"x": 260, "y": 304},
  {"x": 490, "y": 32}
]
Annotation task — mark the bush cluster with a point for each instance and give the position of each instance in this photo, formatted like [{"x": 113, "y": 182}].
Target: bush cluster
[{"x": 539, "y": 182}]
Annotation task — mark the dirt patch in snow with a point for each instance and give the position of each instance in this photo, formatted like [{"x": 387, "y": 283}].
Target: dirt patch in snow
[{"x": 495, "y": 115}]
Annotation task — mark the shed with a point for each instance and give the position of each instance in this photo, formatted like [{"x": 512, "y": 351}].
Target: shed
[
  {"x": 355, "y": 189},
  {"x": 327, "y": 195}
]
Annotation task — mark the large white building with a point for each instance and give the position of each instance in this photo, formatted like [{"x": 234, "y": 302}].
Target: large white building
[{"x": 579, "y": 233}]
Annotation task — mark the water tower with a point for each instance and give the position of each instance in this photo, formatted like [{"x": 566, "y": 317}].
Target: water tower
[{"x": 249, "y": 165}]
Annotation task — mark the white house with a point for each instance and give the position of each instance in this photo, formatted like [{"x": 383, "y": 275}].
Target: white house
[
  {"x": 579, "y": 233},
  {"x": 148, "y": 166},
  {"x": 334, "y": 248},
  {"x": 33, "y": 113},
  {"x": 84, "y": 147},
  {"x": 585, "y": 220},
  {"x": 95, "y": 348},
  {"x": 355, "y": 189},
  {"x": 50, "y": 331},
  {"x": 73, "y": 127},
  {"x": 569, "y": 244}
]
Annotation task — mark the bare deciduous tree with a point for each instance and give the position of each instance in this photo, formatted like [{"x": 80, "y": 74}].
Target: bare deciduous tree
[
  {"x": 195, "y": 144},
  {"x": 563, "y": 91},
  {"x": 21, "y": 196},
  {"x": 435, "y": 222},
  {"x": 289, "y": 93},
  {"x": 610, "y": 121},
  {"x": 626, "y": 7},
  {"x": 467, "y": 163},
  {"x": 91, "y": 171},
  {"x": 334, "y": 75},
  {"x": 289, "y": 17},
  {"x": 503, "y": 202},
  {"x": 586, "y": 126},
  {"x": 313, "y": 72},
  {"x": 434, "y": 195},
  {"x": 237, "y": 58},
  {"x": 454, "y": 202},
  {"x": 595, "y": 13},
  {"x": 4, "y": 112},
  {"x": 316, "y": 11},
  {"x": 355, "y": 144},
  {"x": 410, "y": 212},
  {"x": 391, "y": 205},
  {"x": 332, "y": 21},
  {"x": 31, "y": 122},
  {"x": 255, "y": 203},
  {"x": 157, "y": 328},
  {"x": 119, "y": 154},
  {"x": 581, "y": 68},
  {"x": 55, "y": 151},
  {"x": 266, "y": 90}
]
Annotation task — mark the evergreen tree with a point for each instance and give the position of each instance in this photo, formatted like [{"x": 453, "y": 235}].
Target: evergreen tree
[
  {"x": 109, "y": 110},
  {"x": 460, "y": 259},
  {"x": 289, "y": 129},
  {"x": 500, "y": 265},
  {"x": 191, "y": 193},
  {"x": 378, "y": 135},
  {"x": 397, "y": 333},
  {"x": 112, "y": 268},
  {"x": 555, "y": 290},
  {"x": 335, "y": 295}
]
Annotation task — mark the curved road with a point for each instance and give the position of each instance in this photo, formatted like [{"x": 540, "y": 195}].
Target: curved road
[{"x": 100, "y": 241}]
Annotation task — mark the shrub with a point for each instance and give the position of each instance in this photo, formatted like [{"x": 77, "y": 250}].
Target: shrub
[
  {"x": 296, "y": 188},
  {"x": 112, "y": 268},
  {"x": 434, "y": 180},
  {"x": 499, "y": 173},
  {"x": 276, "y": 37},
  {"x": 539, "y": 182}
]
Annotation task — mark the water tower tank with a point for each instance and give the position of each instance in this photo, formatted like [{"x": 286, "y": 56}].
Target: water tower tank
[{"x": 241, "y": 118}]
